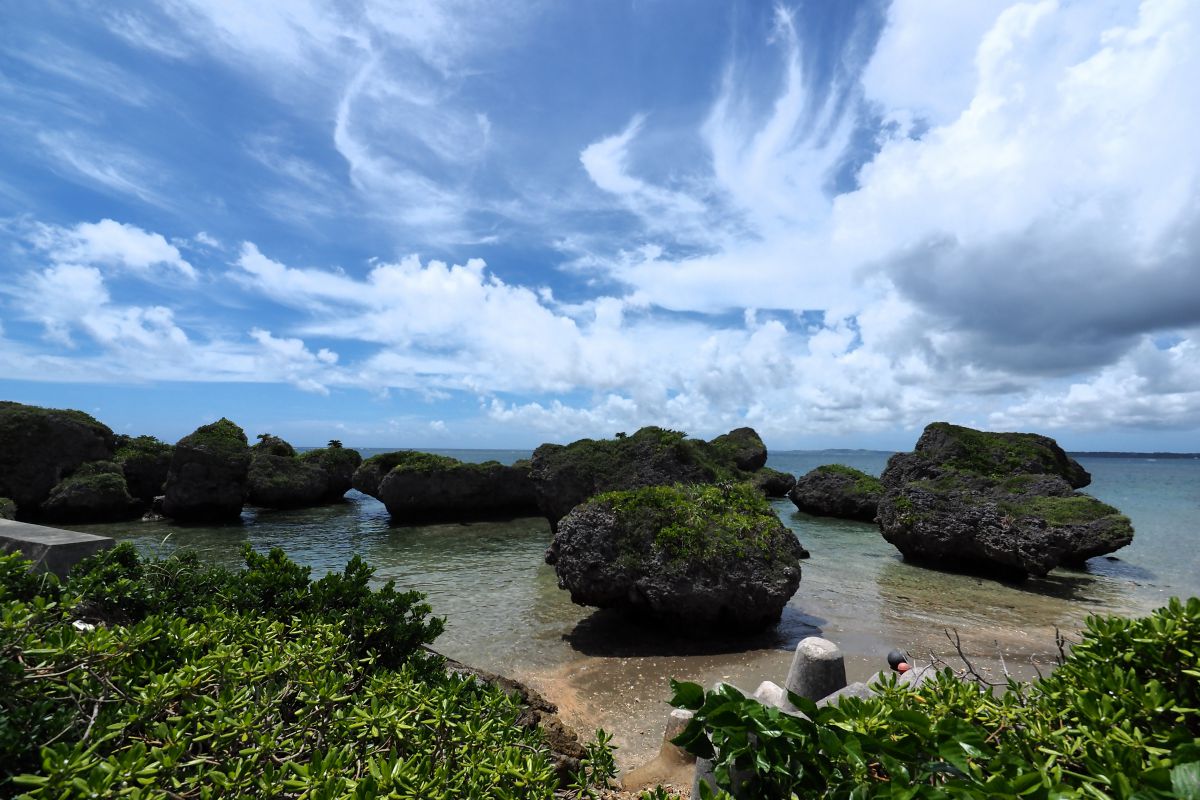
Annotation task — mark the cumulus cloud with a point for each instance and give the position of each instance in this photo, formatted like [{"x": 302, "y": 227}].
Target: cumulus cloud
[{"x": 113, "y": 245}]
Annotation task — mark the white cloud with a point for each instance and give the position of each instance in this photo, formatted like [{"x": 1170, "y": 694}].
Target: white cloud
[
  {"x": 114, "y": 245},
  {"x": 58, "y": 295},
  {"x": 290, "y": 357},
  {"x": 106, "y": 164},
  {"x": 1149, "y": 387}
]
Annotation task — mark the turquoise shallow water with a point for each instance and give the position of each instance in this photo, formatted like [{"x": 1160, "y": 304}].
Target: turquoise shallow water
[{"x": 505, "y": 612}]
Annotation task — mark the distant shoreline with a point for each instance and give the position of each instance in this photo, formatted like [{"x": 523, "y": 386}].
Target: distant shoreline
[{"x": 1117, "y": 454}]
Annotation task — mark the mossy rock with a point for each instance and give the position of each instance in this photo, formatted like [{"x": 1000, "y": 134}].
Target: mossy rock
[
  {"x": 145, "y": 462},
  {"x": 946, "y": 449},
  {"x": 566, "y": 475},
  {"x": 222, "y": 437},
  {"x": 96, "y": 492},
  {"x": 425, "y": 487},
  {"x": 41, "y": 446},
  {"x": 278, "y": 481},
  {"x": 1004, "y": 502},
  {"x": 773, "y": 483},
  {"x": 268, "y": 444},
  {"x": 208, "y": 476},
  {"x": 836, "y": 490},
  {"x": 741, "y": 447},
  {"x": 710, "y": 555},
  {"x": 339, "y": 464},
  {"x": 8, "y": 509}
]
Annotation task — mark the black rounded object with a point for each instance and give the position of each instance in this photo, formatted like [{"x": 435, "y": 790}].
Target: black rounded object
[{"x": 895, "y": 657}]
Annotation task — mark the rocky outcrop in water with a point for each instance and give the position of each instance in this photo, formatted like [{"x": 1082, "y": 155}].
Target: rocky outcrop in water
[
  {"x": 208, "y": 476},
  {"x": 145, "y": 462},
  {"x": 423, "y": 487},
  {"x": 41, "y": 446},
  {"x": 339, "y": 464},
  {"x": 706, "y": 556},
  {"x": 284, "y": 482},
  {"x": 835, "y": 490},
  {"x": 279, "y": 478},
  {"x": 96, "y": 492},
  {"x": 1002, "y": 502},
  {"x": 566, "y": 475},
  {"x": 773, "y": 483}
]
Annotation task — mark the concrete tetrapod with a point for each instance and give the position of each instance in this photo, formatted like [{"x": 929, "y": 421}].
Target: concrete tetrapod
[{"x": 818, "y": 669}]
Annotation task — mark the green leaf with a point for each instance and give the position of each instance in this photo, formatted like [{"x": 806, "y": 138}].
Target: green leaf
[
  {"x": 1185, "y": 780},
  {"x": 686, "y": 695}
]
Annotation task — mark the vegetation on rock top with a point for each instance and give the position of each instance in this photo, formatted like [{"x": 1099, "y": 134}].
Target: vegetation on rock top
[
  {"x": 1058, "y": 511},
  {"x": 997, "y": 454},
  {"x": 269, "y": 444},
  {"x": 130, "y": 448},
  {"x": 15, "y": 416},
  {"x": 222, "y": 437},
  {"x": 332, "y": 456},
  {"x": 863, "y": 483},
  {"x": 695, "y": 522}
]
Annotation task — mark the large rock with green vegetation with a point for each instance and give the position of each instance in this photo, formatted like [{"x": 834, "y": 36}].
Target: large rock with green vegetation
[
  {"x": 566, "y": 475},
  {"x": 285, "y": 482},
  {"x": 8, "y": 509},
  {"x": 145, "y": 462},
  {"x": 270, "y": 445},
  {"x": 707, "y": 556},
  {"x": 96, "y": 492},
  {"x": 208, "y": 476},
  {"x": 339, "y": 464},
  {"x": 423, "y": 487},
  {"x": 41, "y": 446},
  {"x": 1003, "y": 502},
  {"x": 279, "y": 478},
  {"x": 773, "y": 483},
  {"x": 835, "y": 490}
]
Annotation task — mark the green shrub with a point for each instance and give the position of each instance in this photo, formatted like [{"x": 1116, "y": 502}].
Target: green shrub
[
  {"x": 710, "y": 522},
  {"x": 17, "y": 582},
  {"x": 240, "y": 705},
  {"x": 117, "y": 585},
  {"x": 132, "y": 448},
  {"x": 1119, "y": 718}
]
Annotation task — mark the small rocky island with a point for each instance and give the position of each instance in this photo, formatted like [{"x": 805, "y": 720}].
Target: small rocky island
[
  {"x": 1000, "y": 502},
  {"x": 704, "y": 555},
  {"x": 835, "y": 490},
  {"x": 566, "y": 475},
  {"x": 423, "y": 487}
]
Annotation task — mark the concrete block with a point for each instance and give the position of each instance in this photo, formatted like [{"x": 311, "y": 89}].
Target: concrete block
[
  {"x": 50, "y": 549},
  {"x": 677, "y": 720},
  {"x": 818, "y": 669}
]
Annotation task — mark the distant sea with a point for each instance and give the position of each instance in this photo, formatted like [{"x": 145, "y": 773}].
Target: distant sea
[{"x": 506, "y": 613}]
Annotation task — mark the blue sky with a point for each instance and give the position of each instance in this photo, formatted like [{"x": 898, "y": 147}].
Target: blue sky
[{"x": 457, "y": 223}]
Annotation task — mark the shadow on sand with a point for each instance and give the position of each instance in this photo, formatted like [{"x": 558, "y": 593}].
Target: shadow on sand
[{"x": 610, "y": 633}]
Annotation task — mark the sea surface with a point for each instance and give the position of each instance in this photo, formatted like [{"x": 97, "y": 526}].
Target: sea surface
[{"x": 505, "y": 612}]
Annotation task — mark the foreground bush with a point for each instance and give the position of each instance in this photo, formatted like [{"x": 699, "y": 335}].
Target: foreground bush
[
  {"x": 120, "y": 586},
  {"x": 209, "y": 683},
  {"x": 1119, "y": 718}
]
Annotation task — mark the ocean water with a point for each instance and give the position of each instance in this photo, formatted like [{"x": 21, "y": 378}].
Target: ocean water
[{"x": 506, "y": 613}]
